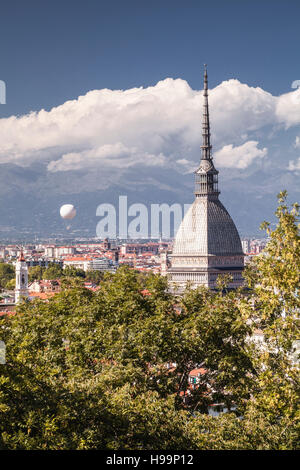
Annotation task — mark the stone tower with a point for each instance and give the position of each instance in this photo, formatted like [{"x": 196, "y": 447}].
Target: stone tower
[
  {"x": 207, "y": 243},
  {"x": 21, "y": 289}
]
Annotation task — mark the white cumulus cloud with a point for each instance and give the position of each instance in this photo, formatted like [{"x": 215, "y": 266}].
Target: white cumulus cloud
[
  {"x": 239, "y": 157},
  {"x": 288, "y": 108},
  {"x": 159, "y": 126},
  {"x": 294, "y": 165},
  {"x": 109, "y": 155}
]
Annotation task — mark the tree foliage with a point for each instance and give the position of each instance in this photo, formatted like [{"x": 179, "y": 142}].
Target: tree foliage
[
  {"x": 35, "y": 273},
  {"x": 53, "y": 271},
  {"x": 110, "y": 369},
  {"x": 7, "y": 273},
  {"x": 94, "y": 275}
]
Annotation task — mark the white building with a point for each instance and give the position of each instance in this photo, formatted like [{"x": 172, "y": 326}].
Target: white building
[
  {"x": 21, "y": 290},
  {"x": 246, "y": 246},
  {"x": 78, "y": 262},
  {"x": 53, "y": 251}
]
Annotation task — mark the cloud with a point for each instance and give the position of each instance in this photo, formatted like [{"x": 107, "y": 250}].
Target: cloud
[
  {"x": 237, "y": 109},
  {"x": 294, "y": 165},
  {"x": 155, "y": 126},
  {"x": 288, "y": 108},
  {"x": 115, "y": 155},
  {"x": 239, "y": 157}
]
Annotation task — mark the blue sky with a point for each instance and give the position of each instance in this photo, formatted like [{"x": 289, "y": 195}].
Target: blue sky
[
  {"x": 52, "y": 51},
  {"x": 116, "y": 90}
]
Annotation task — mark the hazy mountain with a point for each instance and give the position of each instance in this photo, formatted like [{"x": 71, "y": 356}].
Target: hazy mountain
[{"x": 30, "y": 197}]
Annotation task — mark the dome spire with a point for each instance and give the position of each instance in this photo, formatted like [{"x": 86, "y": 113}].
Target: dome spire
[
  {"x": 206, "y": 146},
  {"x": 206, "y": 181}
]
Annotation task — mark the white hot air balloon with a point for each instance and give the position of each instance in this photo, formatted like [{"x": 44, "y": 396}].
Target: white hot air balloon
[{"x": 67, "y": 211}]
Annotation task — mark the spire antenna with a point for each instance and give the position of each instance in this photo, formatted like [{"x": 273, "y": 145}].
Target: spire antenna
[
  {"x": 206, "y": 181},
  {"x": 206, "y": 146}
]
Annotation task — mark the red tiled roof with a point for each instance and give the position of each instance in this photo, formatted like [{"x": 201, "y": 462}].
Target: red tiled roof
[
  {"x": 145, "y": 292},
  {"x": 195, "y": 372},
  {"x": 41, "y": 295},
  {"x": 8, "y": 312}
]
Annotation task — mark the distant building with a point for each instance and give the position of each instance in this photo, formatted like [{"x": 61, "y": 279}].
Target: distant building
[
  {"x": 57, "y": 251},
  {"x": 89, "y": 263},
  {"x": 47, "y": 285},
  {"x": 164, "y": 263},
  {"x": 245, "y": 246},
  {"x": 102, "y": 264},
  {"x": 106, "y": 244},
  {"x": 78, "y": 262},
  {"x": 140, "y": 248},
  {"x": 44, "y": 263}
]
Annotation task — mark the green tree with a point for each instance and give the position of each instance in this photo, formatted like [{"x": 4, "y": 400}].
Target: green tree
[
  {"x": 71, "y": 271},
  {"x": 10, "y": 285},
  {"x": 94, "y": 276},
  {"x": 271, "y": 414},
  {"x": 89, "y": 370},
  {"x": 275, "y": 280},
  {"x": 7, "y": 272},
  {"x": 108, "y": 351},
  {"x": 66, "y": 384},
  {"x": 53, "y": 271}
]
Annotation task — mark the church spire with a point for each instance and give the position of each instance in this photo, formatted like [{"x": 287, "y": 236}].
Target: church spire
[
  {"x": 206, "y": 146},
  {"x": 21, "y": 290},
  {"x": 206, "y": 181}
]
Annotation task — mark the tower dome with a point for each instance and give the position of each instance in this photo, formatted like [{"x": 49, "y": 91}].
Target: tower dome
[
  {"x": 207, "y": 229},
  {"x": 207, "y": 243}
]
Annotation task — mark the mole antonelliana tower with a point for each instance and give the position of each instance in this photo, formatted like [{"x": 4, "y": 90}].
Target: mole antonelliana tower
[{"x": 207, "y": 243}]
